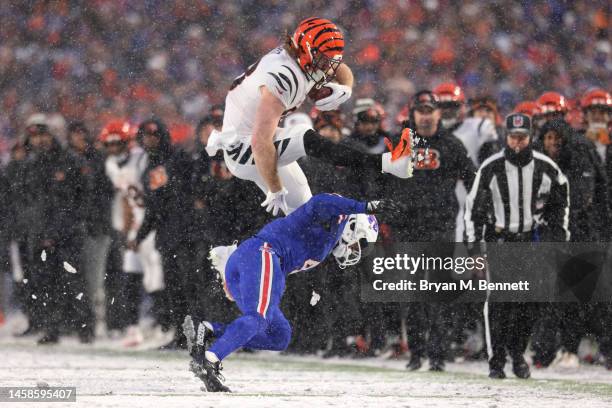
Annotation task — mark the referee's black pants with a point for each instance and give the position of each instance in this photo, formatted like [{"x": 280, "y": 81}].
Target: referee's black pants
[{"x": 510, "y": 325}]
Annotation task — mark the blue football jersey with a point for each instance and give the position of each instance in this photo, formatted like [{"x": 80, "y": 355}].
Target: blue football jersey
[{"x": 305, "y": 237}]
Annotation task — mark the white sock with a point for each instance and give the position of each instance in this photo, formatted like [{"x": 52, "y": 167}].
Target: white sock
[
  {"x": 212, "y": 357},
  {"x": 208, "y": 325}
]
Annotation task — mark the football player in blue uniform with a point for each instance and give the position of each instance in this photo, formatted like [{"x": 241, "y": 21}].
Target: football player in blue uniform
[{"x": 254, "y": 273}]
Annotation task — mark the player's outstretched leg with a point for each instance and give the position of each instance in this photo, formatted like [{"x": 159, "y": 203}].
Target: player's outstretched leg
[
  {"x": 398, "y": 161},
  {"x": 255, "y": 280}
]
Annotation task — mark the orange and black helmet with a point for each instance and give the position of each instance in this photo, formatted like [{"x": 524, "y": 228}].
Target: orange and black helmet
[
  {"x": 596, "y": 98},
  {"x": 319, "y": 44},
  {"x": 449, "y": 92},
  {"x": 552, "y": 102},
  {"x": 117, "y": 130},
  {"x": 530, "y": 108}
]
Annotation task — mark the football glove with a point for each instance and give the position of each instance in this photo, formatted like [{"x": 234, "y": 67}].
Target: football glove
[
  {"x": 340, "y": 94},
  {"x": 384, "y": 207},
  {"x": 276, "y": 201}
]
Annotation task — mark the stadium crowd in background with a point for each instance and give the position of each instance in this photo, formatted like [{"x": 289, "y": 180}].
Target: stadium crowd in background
[
  {"x": 93, "y": 61},
  {"x": 89, "y": 176}
]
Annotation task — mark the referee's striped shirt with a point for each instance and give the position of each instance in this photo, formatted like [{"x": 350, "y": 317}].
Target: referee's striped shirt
[{"x": 518, "y": 199}]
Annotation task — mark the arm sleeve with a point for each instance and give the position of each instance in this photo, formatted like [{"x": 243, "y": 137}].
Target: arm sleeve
[
  {"x": 477, "y": 206},
  {"x": 324, "y": 207},
  {"x": 465, "y": 166},
  {"x": 557, "y": 212},
  {"x": 603, "y": 217}
]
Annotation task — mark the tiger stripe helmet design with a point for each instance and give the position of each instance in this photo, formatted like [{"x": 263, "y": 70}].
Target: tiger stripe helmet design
[
  {"x": 551, "y": 102},
  {"x": 116, "y": 131},
  {"x": 319, "y": 44},
  {"x": 596, "y": 98},
  {"x": 530, "y": 108},
  {"x": 449, "y": 92}
]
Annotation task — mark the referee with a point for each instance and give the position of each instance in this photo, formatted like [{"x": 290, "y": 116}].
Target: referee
[{"x": 516, "y": 192}]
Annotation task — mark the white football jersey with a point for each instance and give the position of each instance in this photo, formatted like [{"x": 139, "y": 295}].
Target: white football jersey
[
  {"x": 125, "y": 172},
  {"x": 473, "y": 133},
  {"x": 277, "y": 71}
]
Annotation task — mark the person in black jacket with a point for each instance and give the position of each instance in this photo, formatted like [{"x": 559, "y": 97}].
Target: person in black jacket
[
  {"x": 55, "y": 188},
  {"x": 589, "y": 221},
  {"x": 589, "y": 217},
  {"x": 490, "y": 215},
  {"x": 19, "y": 213},
  {"x": 212, "y": 121},
  {"x": 97, "y": 198},
  {"x": 167, "y": 211},
  {"x": 432, "y": 208}
]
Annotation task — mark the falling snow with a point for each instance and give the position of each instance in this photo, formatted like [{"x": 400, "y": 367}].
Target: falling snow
[{"x": 69, "y": 268}]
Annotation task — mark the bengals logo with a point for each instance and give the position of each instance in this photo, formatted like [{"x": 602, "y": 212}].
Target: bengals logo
[
  {"x": 158, "y": 178},
  {"x": 427, "y": 159}
]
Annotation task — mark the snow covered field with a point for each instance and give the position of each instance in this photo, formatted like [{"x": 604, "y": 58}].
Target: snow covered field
[{"x": 107, "y": 376}]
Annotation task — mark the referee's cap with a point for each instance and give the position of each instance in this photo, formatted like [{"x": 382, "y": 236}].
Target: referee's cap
[{"x": 518, "y": 123}]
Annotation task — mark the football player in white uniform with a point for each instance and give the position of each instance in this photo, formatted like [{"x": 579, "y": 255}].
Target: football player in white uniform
[
  {"x": 256, "y": 149},
  {"x": 124, "y": 166}
]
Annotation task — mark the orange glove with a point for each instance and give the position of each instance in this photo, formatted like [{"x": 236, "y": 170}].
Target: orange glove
[{"x": 404, "y": 147}]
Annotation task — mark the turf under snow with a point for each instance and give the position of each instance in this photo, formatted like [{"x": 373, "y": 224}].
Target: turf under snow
[{"x": 107, "y": 375}]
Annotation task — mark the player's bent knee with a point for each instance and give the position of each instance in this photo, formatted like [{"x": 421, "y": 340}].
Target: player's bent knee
[{"x": 256, "y": 321}]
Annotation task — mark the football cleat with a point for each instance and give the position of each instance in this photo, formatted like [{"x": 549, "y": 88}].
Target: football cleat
[
  {"x": 198, "y": 341},
  {"x": 210, "y": 374}
]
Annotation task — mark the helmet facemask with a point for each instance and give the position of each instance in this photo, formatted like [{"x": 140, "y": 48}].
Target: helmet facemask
[
  {"x": 323, "y": 68},
  {"x": 450, "y": 113},
  {"x": 360, "y": 232}
]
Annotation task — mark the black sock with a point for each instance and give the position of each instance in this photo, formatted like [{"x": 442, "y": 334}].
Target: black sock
[{"x": 317, "y": 146}]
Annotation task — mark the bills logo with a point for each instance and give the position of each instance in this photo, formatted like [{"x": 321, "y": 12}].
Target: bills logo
[{"x": 518, "y": 122}]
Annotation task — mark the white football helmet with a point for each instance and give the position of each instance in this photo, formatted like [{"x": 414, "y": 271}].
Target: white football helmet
[{"x": 360, "y": 232}]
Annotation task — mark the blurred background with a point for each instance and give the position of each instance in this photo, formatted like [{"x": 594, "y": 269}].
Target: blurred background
[{"x": 101, "y": 59}]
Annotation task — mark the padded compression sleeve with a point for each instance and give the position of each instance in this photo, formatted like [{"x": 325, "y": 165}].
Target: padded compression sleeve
[{"x": 317, "y": 146}]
